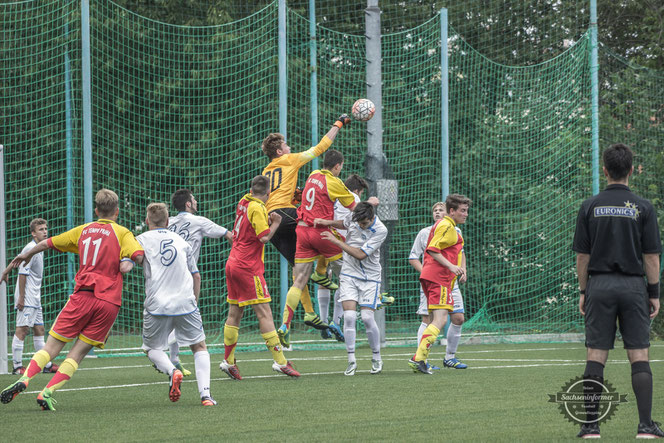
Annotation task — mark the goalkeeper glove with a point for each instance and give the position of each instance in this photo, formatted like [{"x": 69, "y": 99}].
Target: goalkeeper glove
[{"x": 342, "y": 121}]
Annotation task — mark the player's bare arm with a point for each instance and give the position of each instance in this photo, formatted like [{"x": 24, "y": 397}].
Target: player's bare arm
[
  {"x": 197, "y": 284},
  {"x": 464, "y": 276},
  {"x": 353, "y": 251},
  {"x": 582, "y": 273},
  {"x": 373, "y": 201},
  {"x": 438, "y": 257},
  {"x": 20, "y": 302},
  {"x": 24, "y": 258},
  {"x": 229, "y": 236},
  {"x": 274, "y": 220},
  {"x": 415, "y": 264},
  {"x": 651, "y": 264},
  {"x": 126, "y": 266},
  {"x": 333, "y": 223}
]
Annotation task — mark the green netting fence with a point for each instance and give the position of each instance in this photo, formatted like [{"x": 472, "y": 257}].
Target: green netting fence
[{"x": 187, "y": 105}]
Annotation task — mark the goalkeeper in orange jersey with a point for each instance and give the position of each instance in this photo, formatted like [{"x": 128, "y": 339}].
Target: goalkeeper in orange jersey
[
  {"x": 245, "y": 280},
  {"x": 323, "y": 188},
  {"x": 443, "y": 265},
  {"x": 282, "y": 173},
  {"x": 106, "y": 251}
]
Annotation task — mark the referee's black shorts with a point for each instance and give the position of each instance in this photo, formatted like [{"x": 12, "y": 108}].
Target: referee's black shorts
[
  {"x": 621, "y": 298},
  {"x": 285, "y": 239}
]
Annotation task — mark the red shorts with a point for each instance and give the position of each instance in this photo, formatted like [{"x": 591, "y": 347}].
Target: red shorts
[
  {"x": 245, "y": 287},
  {"x": 439, "y": 296},
  {"x": 310, "y": 245},
  {"x": 86, "y": 317}
]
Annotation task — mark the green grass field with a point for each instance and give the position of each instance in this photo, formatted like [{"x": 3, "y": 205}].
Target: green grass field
[{"x": 501, "y": 396}]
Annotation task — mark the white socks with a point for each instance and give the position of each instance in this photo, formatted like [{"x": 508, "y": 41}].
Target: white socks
[
  {"x": 453, "y": 337},
  {"x": 324, "y": 303},
  {"x": 17, "y": 352},
  {"x": 373, "y": 333},
  {"x": 350, "y": 317},
  {"x": 338, "y": 313},
  {"x": 420, "y": 332},
  {"x": 160, "y": 359},
  {"x": 202, "y": 364}
]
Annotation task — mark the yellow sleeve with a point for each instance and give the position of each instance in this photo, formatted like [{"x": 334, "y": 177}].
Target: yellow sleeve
[
  {"x": 257, "y": 215},
  {"x": 337, "y": 190},
  {"x": 444, "y": 237},
  {"x": 129, "y": 246},
  {"x": 311, "y": 153},
  {"x": 67, "y": 241}
]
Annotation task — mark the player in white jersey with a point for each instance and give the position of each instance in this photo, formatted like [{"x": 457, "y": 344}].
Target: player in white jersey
[
  {"x": 457, "y": 315},
  {"x": 193, "y": 228},
  {"x": 360, "y": 277},
  {"x": 172, "y": 285},
  {"x": 27, "y": 300}
]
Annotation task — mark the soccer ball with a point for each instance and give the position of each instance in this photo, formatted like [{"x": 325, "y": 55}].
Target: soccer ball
[{"x": 363, "y": 110}]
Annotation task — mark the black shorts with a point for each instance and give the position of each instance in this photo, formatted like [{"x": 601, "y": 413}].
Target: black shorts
[
  {"x": 621, "y": 298},
  {"x": 285, "y": 239}
]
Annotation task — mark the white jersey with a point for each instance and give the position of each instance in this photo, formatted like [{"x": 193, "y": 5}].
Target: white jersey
[
  {"x": 341, "y": 212},
  {"x": 193, "y": 228},
  {"x": 34, "y": 271},
  {"x": 369, "y": 241},
  {"x": 167, "y": 265},
  {"x": 420, "y": 243}
]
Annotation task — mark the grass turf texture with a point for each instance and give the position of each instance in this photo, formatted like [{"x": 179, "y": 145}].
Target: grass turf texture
[{"x": 502, "y": 396}]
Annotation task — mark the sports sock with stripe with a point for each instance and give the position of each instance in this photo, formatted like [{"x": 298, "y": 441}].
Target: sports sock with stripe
[
  {"x": 231, "y": 334},
  {"x": 428, "y": 338},
  {"x": 65, "y": 372},
  {"x": 37, "y": 363},
  {"x": 292, "y": 300},
  {"x": 272, "y": 342}
]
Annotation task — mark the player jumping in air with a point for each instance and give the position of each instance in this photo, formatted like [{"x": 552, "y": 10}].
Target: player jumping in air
[
  {"x": 282, "y": 173},
  {"x": 244, "y": 277},
  {"x": 106, "y": 251},
  {"x": 322, "y": 189},
  {"x": 172, "y": 285}
]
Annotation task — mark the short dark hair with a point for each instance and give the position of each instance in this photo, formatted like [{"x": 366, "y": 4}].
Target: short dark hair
[
  {"x": 260, "y": 185},
  {"x": 332, "y": 158},
  {"x": 618, "y": 161},
  {"x": 180, "y": 198},
  {"x": 363, "y": 211},
  {"x": 271, "y": 143},
  {"x": 453, "y": 201},
  {"x": 356, "y": 183}
]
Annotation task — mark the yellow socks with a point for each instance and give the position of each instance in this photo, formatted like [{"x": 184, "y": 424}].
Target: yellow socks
[
  {"x": 292, "y": 300},
  {"x": 428, "y": 338},
  {"x": 272, "y": 343},
  {"x": 305, "y": 299},
  {"x": 65, "y": 372},
  {"x": 36, "y": 365},
  {"x": 230, "y": 341}
]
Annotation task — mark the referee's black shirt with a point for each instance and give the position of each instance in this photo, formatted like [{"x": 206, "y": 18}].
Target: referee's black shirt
[{"x": 616, "y": 227}]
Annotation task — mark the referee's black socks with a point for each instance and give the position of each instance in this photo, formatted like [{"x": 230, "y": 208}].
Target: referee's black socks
[
  {"x": 642, "y": 386},
  {"x": 593, "y": 379}
]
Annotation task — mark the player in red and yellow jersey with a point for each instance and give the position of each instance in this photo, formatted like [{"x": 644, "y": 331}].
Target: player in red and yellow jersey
[
  {"x": 106, "y": 251},
  {"x": 282, "y": 173},
  {"x": 244, "y": 277},
  {"x": 441, "y": 268},
  {"x": 322, "y": 189}
]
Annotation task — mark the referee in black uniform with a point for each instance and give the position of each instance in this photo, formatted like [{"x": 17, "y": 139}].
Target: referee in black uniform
[{"x": 617, "y": 242}]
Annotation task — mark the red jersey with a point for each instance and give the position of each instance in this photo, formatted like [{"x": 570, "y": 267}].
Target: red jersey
[
  {"x": 446, "y": 240},
  {"x": 322, "y": 189},
  {"x": 100, "y": 246},
  {"x": 251, "y": 224}
]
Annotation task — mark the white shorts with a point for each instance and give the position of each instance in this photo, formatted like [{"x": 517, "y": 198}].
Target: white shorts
[
  {"x": 365, "y": 293},
  {"x": 29, "y": 317},
  {"x": 423, "y": 309},
  {"x": 156, "y": 328}
]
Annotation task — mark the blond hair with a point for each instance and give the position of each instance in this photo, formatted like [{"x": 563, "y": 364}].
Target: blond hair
[
  {"x": 435, "y": 205},
  {"x": 158, "y": 215},
  {"x": 37, "y": 222},
  {"x": 106, "y": 202}
]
